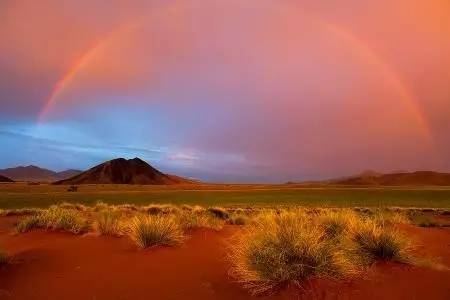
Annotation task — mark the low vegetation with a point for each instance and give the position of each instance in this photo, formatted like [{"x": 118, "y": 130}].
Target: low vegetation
[
  {"x": 108, "y": 222},
  {"x": 376, "y": 241},
  {"x": 55, "y": 218},
  {"x": 147, "y": 231},
  {"x": 277, "y": 245},
  {"x": 290, "y": 246}
]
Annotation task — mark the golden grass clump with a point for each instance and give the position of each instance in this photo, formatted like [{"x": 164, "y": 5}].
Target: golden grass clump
[
  {"x": 377, "y": 241},
  {"x": 149, "y": 230},
  {"x": 108, "y": 222},
  {"x": 55, "y": 218},
  {"x": 189, "y": 220},
  {"x": 287, "y": 247},
  {"x": 336, "y": 223}
]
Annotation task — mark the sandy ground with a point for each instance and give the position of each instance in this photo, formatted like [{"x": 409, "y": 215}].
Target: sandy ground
[{"x": 50, "y": 265}]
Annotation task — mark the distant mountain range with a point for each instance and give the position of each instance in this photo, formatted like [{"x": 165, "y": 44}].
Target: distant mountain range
[
  {"x": 418, "y": 178},
  {"x": 123, "y": 171},
  {"x": 34, "y": 173}
]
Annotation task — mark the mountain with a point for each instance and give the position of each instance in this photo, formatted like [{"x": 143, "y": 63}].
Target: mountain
[
  {"x": 34, "y": 173},
  {"x": 5, "y": 179},
  {"x": 123, "y": 171},
  {"x": 418, "y": 178},
  {"x": 67, "y": 174}
]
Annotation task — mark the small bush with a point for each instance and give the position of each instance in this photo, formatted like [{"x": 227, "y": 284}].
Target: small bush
[
  {"x": 55, "y": 218},
  {"x": 286, "y": 247},
  {"x": 108, "y": 223},
  {"x": 147, "y": 231},
  {"x": 376, "y": 241},
  {"x": 218, "y": 212}
]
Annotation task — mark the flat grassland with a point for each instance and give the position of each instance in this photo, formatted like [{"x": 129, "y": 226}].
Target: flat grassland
[{"x": 21, "y": 195}]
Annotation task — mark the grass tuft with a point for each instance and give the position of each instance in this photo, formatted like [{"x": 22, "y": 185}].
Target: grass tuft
[
  {"x": 377, "y": 241},
  {"x": 108, "y": 223},
  {"x": 147, "y": 231},
  {"x": 285, "y": 247},
  {"x": 338, "y": 223},
  {"x": 54, "y": 218}
]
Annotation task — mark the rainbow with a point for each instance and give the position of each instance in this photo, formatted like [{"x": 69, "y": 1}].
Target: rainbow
[{"x": 374, "y": 59}]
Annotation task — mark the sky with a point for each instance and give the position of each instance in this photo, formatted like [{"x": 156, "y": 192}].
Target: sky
[{"x": 227, "y": 90}]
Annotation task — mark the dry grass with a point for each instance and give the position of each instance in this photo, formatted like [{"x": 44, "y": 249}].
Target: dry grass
[
  {"x": 286, "y": 247},
  {"x": 336, "y": 223},
  {"x": 376, "y": 241},
  {"x": 20, "y": 212},
  {"x": 195, "y": 219},
  {"x": 289, "y": 246},
  {"x": 147, "y": 231},
  {"x": 108, "y": 222},
  {"x": 55, "y": 218}
]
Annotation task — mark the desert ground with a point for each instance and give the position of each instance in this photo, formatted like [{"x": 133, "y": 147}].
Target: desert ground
[{"x": 223, "y": 242}]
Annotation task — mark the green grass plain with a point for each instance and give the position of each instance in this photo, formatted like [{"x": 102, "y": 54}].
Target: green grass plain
[{"x": 21, "y": 195}]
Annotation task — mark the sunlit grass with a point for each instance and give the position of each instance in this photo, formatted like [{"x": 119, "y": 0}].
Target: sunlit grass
[
  {"x": 108, "y": 222},
  {"x": 55, "y": 218},
  {"x": 280, "y": 248},
  {"x": 147, "y": 231}
]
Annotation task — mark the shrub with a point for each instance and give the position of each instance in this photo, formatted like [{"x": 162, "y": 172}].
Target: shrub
[
  {"x": 147, "y": 231},
  {"x": 55, "y": 218},
  {"x": 376, "y": 241},
  {"x": 108, "y": 223},
  {"x": 288, "y": 247},
  {"x": 218, "y": 212}
]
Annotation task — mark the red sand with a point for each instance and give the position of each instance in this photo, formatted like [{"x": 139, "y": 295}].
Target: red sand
[{"x": 63, "y": 266}]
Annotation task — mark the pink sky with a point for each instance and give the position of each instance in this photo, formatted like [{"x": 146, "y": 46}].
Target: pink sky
[{"x": 228, "y": 90}]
